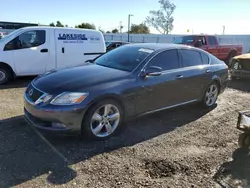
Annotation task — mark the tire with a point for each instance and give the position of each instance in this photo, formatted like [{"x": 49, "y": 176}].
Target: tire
[
  {"x": 5, "y": 75},
  {"x": 95, "y": 127},
  {"x": 211, "y": 93},
  {"x": 244, "y": 140}
]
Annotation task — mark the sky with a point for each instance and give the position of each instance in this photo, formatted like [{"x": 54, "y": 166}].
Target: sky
[{"x": 197, "y": 16}]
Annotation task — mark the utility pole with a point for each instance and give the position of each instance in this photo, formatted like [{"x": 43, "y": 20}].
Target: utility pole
[
  {"x": 129, "y": 24},
  {"x": 223, "y": 30}
]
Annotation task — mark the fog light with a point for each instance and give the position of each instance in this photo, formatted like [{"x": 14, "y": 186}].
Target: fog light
[
  {"x": 58, "y": 125},
  {"x": 245, "y": 121}
]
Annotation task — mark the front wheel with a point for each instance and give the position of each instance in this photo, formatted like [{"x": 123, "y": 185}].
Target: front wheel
[
  {"x": 103, "y": 120},
  {"x": 5, "y": 75},
  {"x": 211, "y": 95}
]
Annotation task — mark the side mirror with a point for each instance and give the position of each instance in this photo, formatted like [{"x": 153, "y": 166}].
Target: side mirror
[
  {"x": 153, "y": 71},
  {"x": 198, "y": 44}
]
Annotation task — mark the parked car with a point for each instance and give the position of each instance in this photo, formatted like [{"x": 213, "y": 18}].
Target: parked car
[
  {"x": 110, "y": 45},
  {"x": 135, "y": 79},
  {"x": 240, "y": 67},
  {"x": 211, "y": 44},
  {"x": 35, "y": 50}
]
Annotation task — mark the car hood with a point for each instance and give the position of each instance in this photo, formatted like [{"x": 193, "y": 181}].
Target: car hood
[{"x": 77, "y": 78}]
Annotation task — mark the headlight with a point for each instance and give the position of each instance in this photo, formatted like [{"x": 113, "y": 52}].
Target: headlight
[
  {"x": 245, "y": 121},
  {"x": 43, "y": 99},
  {"x": 69, "y": 98}
]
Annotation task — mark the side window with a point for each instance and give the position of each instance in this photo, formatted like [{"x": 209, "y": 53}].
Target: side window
[
  {"x": 32, "y": 39},
  {"x": 28, "y": 39},
  {"x": 167, "y": 60},
  {"x": 203, "y": 40},
  {"x": 212, "y": 40},
  {"x": 205, "y": 58},
  {"x": 191, "y": 58}
]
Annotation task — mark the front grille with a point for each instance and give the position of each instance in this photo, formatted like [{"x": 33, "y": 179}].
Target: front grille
[{"x": 33, "y": 93}]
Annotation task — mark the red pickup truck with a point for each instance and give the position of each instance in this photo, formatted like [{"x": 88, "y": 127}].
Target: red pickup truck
[{"x": 211, "y": 44}]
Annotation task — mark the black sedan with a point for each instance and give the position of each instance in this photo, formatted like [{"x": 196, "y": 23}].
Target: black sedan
[{"x": 96, "y": 98}]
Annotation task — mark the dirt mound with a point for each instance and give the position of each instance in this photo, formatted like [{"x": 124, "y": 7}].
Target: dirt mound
[{"x": 165, "y": 168}]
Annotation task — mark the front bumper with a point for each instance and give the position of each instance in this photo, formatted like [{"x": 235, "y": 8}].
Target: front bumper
[
  {"x": 44, "y": 118},
  {"x": 240, "y": 73}
]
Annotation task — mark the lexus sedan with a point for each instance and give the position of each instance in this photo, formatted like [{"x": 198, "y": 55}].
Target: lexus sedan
[{"x": 95, "y": 99}]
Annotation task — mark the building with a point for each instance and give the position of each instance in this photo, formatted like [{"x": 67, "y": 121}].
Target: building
[{"x": 15, "y": 25}]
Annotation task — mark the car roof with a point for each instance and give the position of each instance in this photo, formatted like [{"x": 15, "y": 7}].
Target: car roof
[
  {"x": 161, "y": 46},
  {"x": 63, "y": 28},
  {"x": 118, "y": 41}
]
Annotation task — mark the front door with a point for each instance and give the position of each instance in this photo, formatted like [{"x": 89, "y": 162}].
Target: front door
[
  {"x": 31, "y": 52},
  {"x": 164, "y": 90}
]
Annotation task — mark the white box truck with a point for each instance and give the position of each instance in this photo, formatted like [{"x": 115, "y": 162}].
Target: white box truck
[{"x": 36, "y": 50}]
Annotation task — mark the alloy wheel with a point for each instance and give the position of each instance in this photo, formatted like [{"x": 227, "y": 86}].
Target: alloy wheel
[
  {"x": 211, "y": 95},
  {"x": 2, "y": 76},
  {"x": 105, "y": 120}
]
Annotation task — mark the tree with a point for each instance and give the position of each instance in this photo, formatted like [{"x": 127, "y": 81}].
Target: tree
[
  {"x": 52, "y": 24},
  {"x": 86, "y": 26},
  {"x": 139, "y": 29},
  {"x": 115, "y": 31},
  {"x": 59, "y": 24},
  {"x": 162, "y": 20},
  {"x": 108, "y": 32}
]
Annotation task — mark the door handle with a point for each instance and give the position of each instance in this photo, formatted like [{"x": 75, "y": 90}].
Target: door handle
[
  {"x": 63, "y": 50},
  {"x": 208, "y": 71},
  {"x": 179, "y": 77},
  {"x": 44, "y": 50}
]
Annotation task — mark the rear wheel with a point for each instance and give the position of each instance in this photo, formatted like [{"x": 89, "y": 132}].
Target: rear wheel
[
  {"x": 5, "y": 75},
  {"x": 103, "y": 120},
  {"x": 211, "y": 95}
]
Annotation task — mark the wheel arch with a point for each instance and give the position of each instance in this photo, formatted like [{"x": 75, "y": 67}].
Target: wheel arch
[
  {"x": 216, "y": 79},
  {"x": 114, "y": 97},
  {"x": 5, "y": 65}
]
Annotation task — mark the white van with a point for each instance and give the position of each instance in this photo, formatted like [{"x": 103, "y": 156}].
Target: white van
[{"x": 35, "y": 50}]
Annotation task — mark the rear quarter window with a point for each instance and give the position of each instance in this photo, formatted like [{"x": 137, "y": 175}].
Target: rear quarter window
[
  {"x": 205, "y": 58},
  {"x": 215, "y": 60},
  {"x": 191, "y": 58}
]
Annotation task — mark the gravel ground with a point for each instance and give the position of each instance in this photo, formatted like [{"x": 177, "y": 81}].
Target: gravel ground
[{"x": 183, "y": 147}]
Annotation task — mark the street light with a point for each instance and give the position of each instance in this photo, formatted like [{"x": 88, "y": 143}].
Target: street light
[{"x": 129, "y": 24}]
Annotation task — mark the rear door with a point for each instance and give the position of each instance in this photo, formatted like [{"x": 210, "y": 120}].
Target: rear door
[
  {"x": 70, "y": 46},
  {"x": 196, "y": 73},
  {"x": 212, "y": 47},
  {"x": 75, "y": 46}
]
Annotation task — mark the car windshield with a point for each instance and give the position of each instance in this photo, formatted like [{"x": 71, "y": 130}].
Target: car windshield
[
  {"x": 125, "y": 58},
  {"x": 10, "y": 35},
  {"x": 185, "y": 40}
]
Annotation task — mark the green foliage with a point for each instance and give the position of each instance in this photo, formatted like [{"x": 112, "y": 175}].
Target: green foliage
[
  {"x": 59, "y": 24},
  {"x": 52, "y": 24},
  {"x": 162, "y": 20},
  {"x": 86, "y": 26},
  {"x": 115, "y": 31},
  {"x": 139, "y": 29}
]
